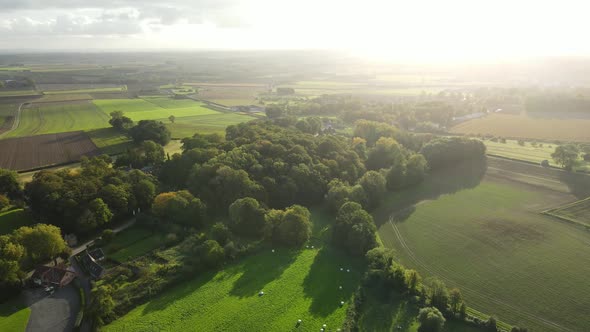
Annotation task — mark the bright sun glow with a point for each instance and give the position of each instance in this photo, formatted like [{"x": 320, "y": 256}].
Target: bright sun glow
[{"x": 411, "y": 29}]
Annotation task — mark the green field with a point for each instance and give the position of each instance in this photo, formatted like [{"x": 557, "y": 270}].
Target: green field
[
  {"x": 297, "y": 285},
  {"x": 13, "y": 219},
  {"x": 94, "y": 90},
  {"x": 110, "y": 141},
  {"x": 212, "y": 123},
  {"x": 7, "y": 110},
  {"x": 487, "y": 236},
  {"x": 18, "y": 93},
  {"x": 153, "y": 108},
  {"x": 511, "y": 149},
  {"x": 62, "y": 97},
  {"x": 577, "y": 212},
  {"x": 131, "y": 243},
  {"x": 15, "y": 68},
  {"x": 14, "y": 317},
  {"x": 48, "y": 119}
]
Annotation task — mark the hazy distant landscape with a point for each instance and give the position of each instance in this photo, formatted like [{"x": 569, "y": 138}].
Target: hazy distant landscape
[{"x": 294, "y": 166}]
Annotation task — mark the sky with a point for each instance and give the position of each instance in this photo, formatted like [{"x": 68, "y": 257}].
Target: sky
[{"x": 425, "y": 29}]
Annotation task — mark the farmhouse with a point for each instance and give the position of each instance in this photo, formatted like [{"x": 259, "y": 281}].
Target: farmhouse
[
  {"x": 53, "y": 275},
  {"x": 90, "y": 263}
]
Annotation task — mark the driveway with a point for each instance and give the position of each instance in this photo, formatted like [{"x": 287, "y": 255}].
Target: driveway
[{"x": 52, "y": 313}]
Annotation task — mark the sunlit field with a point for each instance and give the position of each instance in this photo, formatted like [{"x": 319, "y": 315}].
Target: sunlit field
[{"x": 483, "y": 231}]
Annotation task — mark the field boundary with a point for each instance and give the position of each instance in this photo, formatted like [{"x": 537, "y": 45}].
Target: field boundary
[
  {"x": 15, "y": 120},
  {"x": 552, "y": 213},
  {"x": 533, "y": 163}
]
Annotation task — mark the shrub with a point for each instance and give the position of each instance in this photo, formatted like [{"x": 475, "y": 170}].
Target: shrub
[
  {"x": 431, "y": 320},
  {"x": 108, "y": 235},
  {"x": 220, "y": 233},
  {"x": 491, "y": 324},
  {"x": 4, "y": 202},
  {"x": 171, "y": 239}
]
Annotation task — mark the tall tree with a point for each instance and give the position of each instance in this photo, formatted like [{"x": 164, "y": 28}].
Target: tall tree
[
  {"x": 9, "y": 184},
  {"x": 374, "y": 186},
  {"x": 386, "y": 153},
  {"x": 566, "y": 155},
  {"x": 295, "y": 227},
  {"x": 119, "y": 121},
  {"x": 247, "y": 217},
  {"x": 150, "y": 130},
  {"x": 354, "y": 229},
  {"x": 41, "y": 241}
]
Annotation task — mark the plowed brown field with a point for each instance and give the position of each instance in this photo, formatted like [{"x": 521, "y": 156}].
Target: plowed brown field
[{"x": 25, "y": 153}]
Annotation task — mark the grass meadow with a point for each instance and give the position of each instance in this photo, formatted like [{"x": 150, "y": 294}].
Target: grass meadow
[
  {"x": 91, "y": 90},
  {"x": 7, "y": 110},
  {"x": 110, "y": 141},
  {"x": 518, "y": 126},
  {"x": 19, "y": 93},
  {"x": 297, "y": 284},
  {"x": 14, "y": 317},
  {"x": 480, "y": 228},
  {"x": 154, "y": 108},
  {"x": 13, "y": 219},
  {"x": 210, "y": 123},
  {"x": 47, "y": 119},
  {"x": 511, "y": 149}
]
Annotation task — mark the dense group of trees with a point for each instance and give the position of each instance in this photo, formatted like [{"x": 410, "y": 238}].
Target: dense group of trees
[
  {"x": 23, "y": 248},
  {"x": 443, "y": 152},
  {"x": 354, "y": 229},
  {"x": 275, "y": 165},
  {"x": 150, "y": 130},
  {"x": 82, "y": 201},
  {"x": 180, "y": 207},
  {"x": 144, "y": 130},
  {"x": 147, "y": 153}
]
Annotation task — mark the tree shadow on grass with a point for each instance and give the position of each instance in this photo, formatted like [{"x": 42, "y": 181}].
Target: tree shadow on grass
[
  {"x": 324, "y": 279},
  {"x": 262, "y": 269},
  {"x": 400, "y": 205},
  {"x": 164, "y": 299}
]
